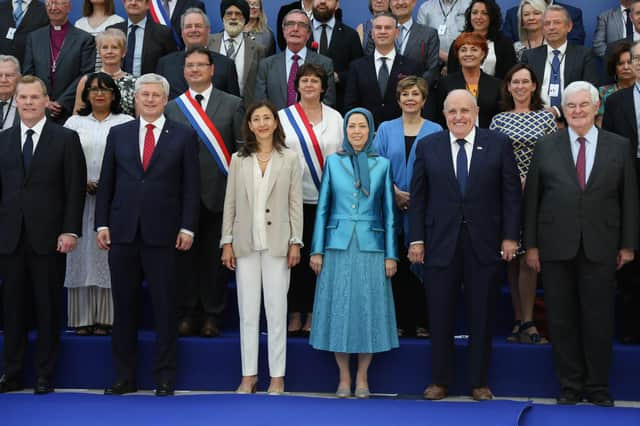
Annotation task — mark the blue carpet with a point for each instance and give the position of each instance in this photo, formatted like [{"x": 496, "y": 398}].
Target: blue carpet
[
  {"x": 582, "y": 415},
  {"x": 69, "y": 409}
]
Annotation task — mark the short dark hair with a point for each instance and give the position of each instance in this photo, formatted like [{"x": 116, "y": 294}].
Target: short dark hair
[
  {"x": 104, "y": 82},
  {"x": 314, "y": 70},
  {"x": 506, "y": 100},
  {"x": 250, "y": 144},
  {"x": 614, "y": 56},
  {"x": 495, "y": 18},
  {"x": 199, "y": 49}
]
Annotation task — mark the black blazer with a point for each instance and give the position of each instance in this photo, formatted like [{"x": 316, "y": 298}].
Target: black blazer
[
  {"x": 283, "y": 12},
  {"x": 35, "y": 18},
  {"x": 344, "y": 48},
  {"x": 157, "y": 42},
  {"x": 489, "y": 90},
  {"x": 225, "y": 76},
  {"x": 49, "y": 199},
  {"x": 620, "y": 117},
  {"x": 505, "y": 57},
  {"x": 363, "y": 91},
  {"x": 559, "y": 216}
]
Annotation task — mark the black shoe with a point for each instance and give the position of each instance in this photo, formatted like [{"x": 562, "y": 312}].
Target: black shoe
[
  {"x": 600, "y": 398},
  {"x": 43, "y": 386},
  {"x": 164, "y": 389},
  {"x": 568, "y": 397},
  {"x": 121, "y": 387},
  {"x": 9, "y": 385}
]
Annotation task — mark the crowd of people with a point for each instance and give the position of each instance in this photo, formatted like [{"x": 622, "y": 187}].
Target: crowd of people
[{"x": 360, "y": 180}]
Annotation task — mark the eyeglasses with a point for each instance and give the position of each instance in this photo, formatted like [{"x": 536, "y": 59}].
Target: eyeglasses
[
  {"x": 101, "y": 90},
  {"x": 291, "y": 24},
  {"x": 196, "y": 66},
  {"x": 635, "y": 58},
  {"x": 8, "y": 75}
]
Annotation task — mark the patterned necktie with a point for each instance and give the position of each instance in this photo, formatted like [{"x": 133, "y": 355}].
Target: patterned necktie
[
  {"x": 383, "y": 76},
  {"x": 18, "y": 13},
  {"x": 556, "y": 79},
  {"x": 199, "y": 98},
  {"x": 323, "y": 40},
  {"x": 461, "y": 167},
  {"x": 231, "y": 48},
  {"x": 131, "y": 47},
  {"x": 581, "y": 167},
  {"x": 27, "y": 151},
  {"x": 149, "y": 146},
  {"x": 292, "y": 96}
]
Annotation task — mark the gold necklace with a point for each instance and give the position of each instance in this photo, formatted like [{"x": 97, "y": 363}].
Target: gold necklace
[{"x": 264, "y": 161}]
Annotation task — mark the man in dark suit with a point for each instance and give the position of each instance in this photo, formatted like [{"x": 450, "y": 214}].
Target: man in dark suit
[
  {"x": 277, "y": 73},
  {"x": 59, "y": 54},
  {"x": 195, "y": 32},
  {"x": 305, "y": 5},
  {"x": 581, "y": 224},
  {"x": 147, "y": 41},
  {"x": 634, "y": 16},
  {"x": 464, "y": 221},
  {"x": 339, "y": 42},
  {"x": 16, "y": 23},
  {"x": 576, "y": 36},
  {"x": 43, "y": 177},
  {"x": 620, "y": 116},
  {"x": 373, "y": 79},
  {"x": 559, "y": 63},
  {"x": 416, "y": 41},
  {"x": 203, "y": 288},
  {"x": 146, "y": 208},
  {"x": 9, "y": 76},
  {"x": 176, "y": 9}
]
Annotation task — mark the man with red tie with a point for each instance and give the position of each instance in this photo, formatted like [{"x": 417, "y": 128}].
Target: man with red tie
[{"x": 147, "y": 208}]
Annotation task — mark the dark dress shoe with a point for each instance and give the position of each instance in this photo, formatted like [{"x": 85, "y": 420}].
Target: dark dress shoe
[
  {"x": 600, "y": 398},
  {"x": 185, "y": 328},
  {"x": 568, "y": 397},
  {"x": 10, "y": 385},
  {"x": 164, "y": 389},
  {"x": 121, "y": 388},
  {"x": 435, "y": 392},
  {"x": 43, "y": 386},
  {"x": 481, "y": 394},
  {"x": 209, "y": 329}
]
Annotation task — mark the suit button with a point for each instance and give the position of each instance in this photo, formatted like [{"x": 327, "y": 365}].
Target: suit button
[
  {"x": 355, "y": 194},
  {"x": 269, "y": 223},
  {"x": 267, "y": 211},
  {"x": 353, "y": 206}
]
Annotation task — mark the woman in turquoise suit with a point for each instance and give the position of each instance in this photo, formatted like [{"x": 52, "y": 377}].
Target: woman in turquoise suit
[{"x": 354, "y": 254}]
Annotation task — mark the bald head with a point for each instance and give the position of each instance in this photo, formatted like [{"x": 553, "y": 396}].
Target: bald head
[{"x": 461, "y": 111}]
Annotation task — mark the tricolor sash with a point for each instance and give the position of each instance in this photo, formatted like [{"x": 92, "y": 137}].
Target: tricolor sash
[
  {"x": 161, "y": 16},
  {"x": 308, "y": 141},
  {"x": 206, "y": 130}
]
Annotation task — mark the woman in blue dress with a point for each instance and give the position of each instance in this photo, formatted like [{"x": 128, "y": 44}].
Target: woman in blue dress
[{"x": 354, "y": 254}]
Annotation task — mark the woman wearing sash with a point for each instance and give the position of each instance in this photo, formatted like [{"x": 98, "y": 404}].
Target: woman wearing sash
[
  {"x": 313, "y": 130},
  {"x": 354, "y": 254},
  {"x": 408, "y": 293},
  {"x": 261, "y": 238}
]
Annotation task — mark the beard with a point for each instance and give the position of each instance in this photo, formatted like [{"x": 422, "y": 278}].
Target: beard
[
  {"x": 323, "y": 15},
  {"x": 233, "y": 29}
]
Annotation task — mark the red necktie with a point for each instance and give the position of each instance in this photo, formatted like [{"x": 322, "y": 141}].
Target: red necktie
[
  {"x": 149, "y": 145},
  {"x": 292, "y": 95},
  {"x": 581, "y": 164}
]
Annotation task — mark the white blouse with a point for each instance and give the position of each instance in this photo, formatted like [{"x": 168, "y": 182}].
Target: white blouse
[
  {"x": 489, "y": 64},
  {"x": 260, "y": 186}
]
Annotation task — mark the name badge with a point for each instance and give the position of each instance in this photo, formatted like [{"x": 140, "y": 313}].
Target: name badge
[
  {"x": 11, "y": 32},
  {"x": 554, "y": 90},
  {"x": 442, "y": 29}
]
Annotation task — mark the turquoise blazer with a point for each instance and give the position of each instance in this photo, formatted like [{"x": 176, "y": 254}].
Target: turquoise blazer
[{"x": 343, "y": 210}]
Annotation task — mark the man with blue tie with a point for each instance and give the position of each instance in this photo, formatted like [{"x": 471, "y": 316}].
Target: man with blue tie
[
  {"x": 17, "y": 19},
  {"x": 147, "y": 208},
  {"x": 464, "y": 221}
]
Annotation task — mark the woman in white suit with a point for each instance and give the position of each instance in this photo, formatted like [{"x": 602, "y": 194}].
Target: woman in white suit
[{"x": 261, "y": 238}]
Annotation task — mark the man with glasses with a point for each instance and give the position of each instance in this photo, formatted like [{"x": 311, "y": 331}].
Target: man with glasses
[
  {"x": 277, "y": 73},
  {"x": 195, "y": 32},
  {"x": 147, "y": 41},
  {"x": 59, "y": 54},
  {"x": 202, "y": 294},
  {"x": 17, "y": 19},
  {"x": 9, "y": 76}
]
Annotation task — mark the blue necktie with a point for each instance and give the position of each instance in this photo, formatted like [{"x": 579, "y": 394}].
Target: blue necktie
[
  {"x": 27, "y": 151},
  {"x": 555, "y": 79},
  {"x": 461, "y": 167},
  {"x": 131, "y": 47},
  {"x": 18, "y": 13},
  {"x": 628, "y": 24}
]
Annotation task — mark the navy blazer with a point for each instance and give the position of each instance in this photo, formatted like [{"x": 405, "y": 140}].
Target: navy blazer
[
  {"x": 576, "y": 36},
  {"x": 490, "y": 207},
  {"x": 157, "y": 202}
]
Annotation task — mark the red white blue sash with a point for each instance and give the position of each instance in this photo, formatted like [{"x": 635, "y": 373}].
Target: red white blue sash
[
  {"x": 161, "y": 16},
  {"x": 205, "y": 129},
  {"x": 308, "y": 141}
]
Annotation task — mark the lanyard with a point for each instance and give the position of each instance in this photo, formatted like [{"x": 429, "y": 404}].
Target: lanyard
[{"x": 445, "y": 15}]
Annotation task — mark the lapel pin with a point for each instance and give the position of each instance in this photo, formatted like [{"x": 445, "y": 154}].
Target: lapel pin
[{"x": 479, "y": 148}]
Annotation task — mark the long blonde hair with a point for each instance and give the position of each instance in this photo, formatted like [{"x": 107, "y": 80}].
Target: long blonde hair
[{"x": 539, "y": 5}]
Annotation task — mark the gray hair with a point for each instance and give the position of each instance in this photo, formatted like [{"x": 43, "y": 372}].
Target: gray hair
[
  {"x": 558, "y": 8},
  {"x": 386, "y": 15},
  {"x": 297, "y": 11},
  {"x": 152, "y": 78},
  {"x": 12, "y": 59},
  {"x": 458, "y": 92},
  {"x": 112, "y": 33},
  {"x": 539, "y": 5},
  {"x": 580, "y": 86},
  {"x": 196, "y": 11}
]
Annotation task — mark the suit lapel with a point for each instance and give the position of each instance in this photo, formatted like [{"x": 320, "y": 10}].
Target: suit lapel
[
  {"x": 601, "y": 159},
  {"x": 478, "y": 158},
  {"x": 281, "y": 69},
  {"x": 247, "y": 174},
  {"x": 42, "y": 149},
  {"x": 215, "y": 42},
  {"x": 69, "y": 41},
  {"x": 249, "y": 56},
  {"x": 213, "y": 105},
  {"x": 16, "y": 149},
  {"x": 564, "y": 150},
  {"x": 276, "y": 165},
  {"x": 444, "y": 148},
  {"x": 164, "y": 139},
  {"x": 630, "y": 114}
]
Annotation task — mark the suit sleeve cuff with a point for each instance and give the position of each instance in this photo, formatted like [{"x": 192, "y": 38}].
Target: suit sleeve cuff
[
  {"x": 416, "y": 242},
  {"x": 71, "y": 234},
  {"x": 102, "y": 228},
  {"x": 227, "y": 239},
  {"x": 296, "y": 241},
  {"x": 187, "y": 232}
]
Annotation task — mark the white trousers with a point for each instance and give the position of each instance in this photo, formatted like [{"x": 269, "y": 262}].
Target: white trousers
[{"x": 257, "y": 273}]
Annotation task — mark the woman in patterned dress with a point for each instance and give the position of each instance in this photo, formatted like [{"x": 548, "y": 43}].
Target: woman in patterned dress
[{"x": 524, "y": 121}]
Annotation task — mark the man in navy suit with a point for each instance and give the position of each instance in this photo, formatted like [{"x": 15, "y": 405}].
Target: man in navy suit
[
  {"x": 576, "y": 36},
  {"x": 464, "y": 221},
  {"x": 147, "y": 207}
]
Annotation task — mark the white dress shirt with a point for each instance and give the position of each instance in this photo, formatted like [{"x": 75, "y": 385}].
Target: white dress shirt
[
  {"x": 589, "y": 149},
  {"x": 544, "y": 92},
  {"x": 142, "y": 132},
  {"x": 391, "y": 57},
  {"x": 37, "y": 128},
  {"x": 238, "y": 55},
  {"x": 137, "y": 52},
  {"x": 288, "y": 56},
  {"x": 489, "y": 64},
  {"x": 468, "y": 147},
  {"x": 206, "y": 95}
]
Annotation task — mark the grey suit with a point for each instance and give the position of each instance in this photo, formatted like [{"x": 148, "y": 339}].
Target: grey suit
[
  {"x": 77, "y": 58},
  {"x": 271, "y": 83},
  {"x": 609, "y": 28},
  {"x": 203, "y": 278},
  {"x": 253, "y": 53},
  {"x": 423, "y": 47}
]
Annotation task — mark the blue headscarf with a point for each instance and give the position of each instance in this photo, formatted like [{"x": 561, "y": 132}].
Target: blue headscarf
[{"x": 359, "y": 160}]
